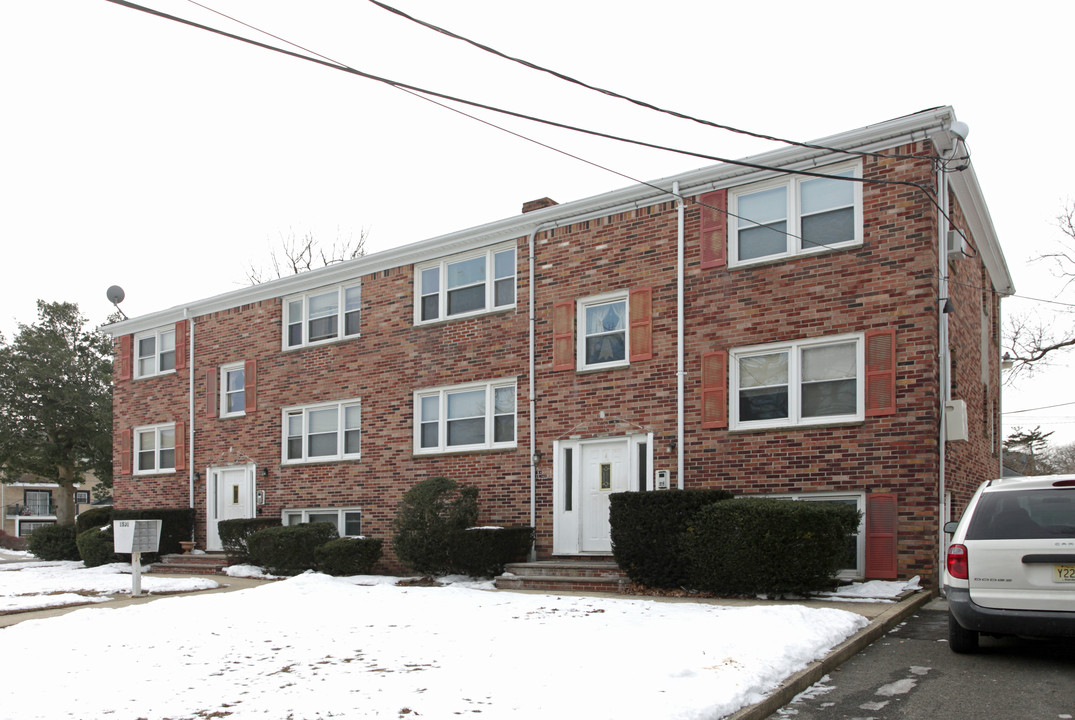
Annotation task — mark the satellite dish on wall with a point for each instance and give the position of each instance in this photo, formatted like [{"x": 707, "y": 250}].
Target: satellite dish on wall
[{"x": 115, "y": 296}]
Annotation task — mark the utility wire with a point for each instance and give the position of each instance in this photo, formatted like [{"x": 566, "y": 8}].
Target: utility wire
[
  {"x": 1044, "y": 407},
  {"x": 423, "y": 92},
  {"x": 635, "y": 101}
]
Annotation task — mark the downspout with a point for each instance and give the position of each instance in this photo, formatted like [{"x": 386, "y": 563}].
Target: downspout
[
  {"x": 190, "y": 402},
  {"x": 680, "y": 373},
  {"x": 531, "y": 260},
  {"x": 945, "y": 357}
]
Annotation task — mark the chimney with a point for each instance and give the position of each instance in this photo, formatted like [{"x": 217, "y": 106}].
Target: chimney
[{"x": 533, "y": 205}]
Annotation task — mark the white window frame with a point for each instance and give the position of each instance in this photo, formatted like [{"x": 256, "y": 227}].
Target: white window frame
[
  {"x": 440, "y": 396},
  {"x": 860, "y": 535},
  {"x": 158, "y": 356},
  {"x": 225, "y": 393},
  {"x": 301, "y": 304},
  {"x": 438, "y": 269},
  {"x": 303, "y": 414},
  {"x": 341, "y": 515},
  {"x": 581, "y": 306},
  {"x": 136, "y": 448},
  {"x": 794, "y": 350},
  {"x": 793, "y": 185},
  {"x": 82, "y": 494}
]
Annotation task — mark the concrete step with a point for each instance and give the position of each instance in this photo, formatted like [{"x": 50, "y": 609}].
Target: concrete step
[
  {"x": 191, "y": 564},
  {"x": 582, "y": 575}
]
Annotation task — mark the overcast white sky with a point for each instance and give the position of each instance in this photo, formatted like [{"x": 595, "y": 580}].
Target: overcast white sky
[{"x": 139, "y": 152}]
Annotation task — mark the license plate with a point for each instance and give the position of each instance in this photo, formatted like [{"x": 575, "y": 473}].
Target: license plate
[{"x": 1064, "y": 573}]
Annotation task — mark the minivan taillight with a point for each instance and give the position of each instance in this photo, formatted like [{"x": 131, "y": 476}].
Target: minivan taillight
[{"x": 957, "y": 561}]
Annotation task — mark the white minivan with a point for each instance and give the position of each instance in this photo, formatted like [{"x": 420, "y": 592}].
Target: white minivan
[{"x": 1011, "y": 565}]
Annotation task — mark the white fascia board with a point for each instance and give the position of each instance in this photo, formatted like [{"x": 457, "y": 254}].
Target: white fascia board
[
  {"x": 919, "y": 126},
  {"x": 976, "y": 213}
]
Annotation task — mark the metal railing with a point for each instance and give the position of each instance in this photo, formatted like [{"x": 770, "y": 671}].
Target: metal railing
[{"x": 43, "y": 508}]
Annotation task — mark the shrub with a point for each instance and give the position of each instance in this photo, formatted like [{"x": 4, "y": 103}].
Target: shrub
[
  {"x": 289, "y": 549},
  {"x": 234, "y": 534},
  {"x": 646, "y": 530},
  {"x": 428, "y": 514},
  {"x": 483, "y": 552},
  {"x": 97, "y": 547},
  {"x": 10, "y": 542},
  {"x": 760, "y": 545},
  {"x": 176, "y": 524},
  {"x": 348, "y": 556},
  {"x": 93, "y": 518},
  {"x": 54, "y": 542}
]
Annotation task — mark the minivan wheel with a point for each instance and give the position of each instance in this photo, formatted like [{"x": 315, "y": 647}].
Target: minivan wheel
[{"x": 960, "y": 639}]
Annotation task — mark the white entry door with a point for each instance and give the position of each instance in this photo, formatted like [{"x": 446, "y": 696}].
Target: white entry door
[
  {"x": 229, "y": 495},
  {"x": 605, "y": 470}
]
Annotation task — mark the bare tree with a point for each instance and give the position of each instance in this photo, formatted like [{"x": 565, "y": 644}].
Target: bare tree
[
  {"x": 1063, "y": 458},
  {"x": 1031, "y": 341},
  {"x": 298, "y": 255}
]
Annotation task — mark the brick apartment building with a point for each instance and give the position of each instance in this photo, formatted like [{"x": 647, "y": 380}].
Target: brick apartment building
[{"x": 804, "y": 324}]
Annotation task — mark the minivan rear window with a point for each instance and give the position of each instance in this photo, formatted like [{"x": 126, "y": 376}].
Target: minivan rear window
[{"x": 1024, "y": 515}]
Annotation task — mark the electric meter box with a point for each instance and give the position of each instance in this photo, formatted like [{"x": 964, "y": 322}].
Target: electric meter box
[{"x": 136, "y": 536}]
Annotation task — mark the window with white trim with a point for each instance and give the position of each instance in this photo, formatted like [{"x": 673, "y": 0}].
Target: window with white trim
[
  {"x": 463, "y": 285},
  {"x": 855, "y": 558},
  {"x": 603, "y": 324},
  {"x": 322, "y": 433},
  {"x": 233, "y": 389},
  {"x": 476, "y": 416},
  {"x": 348, "y": 520},
  {"x": 322, "y": 316},
  {"x": 154, "y": 352},
  {"x": 154, "y": 449},
  {"x": 795, "y": 215},
  {"x": 82, "y": 497},
  {"x": 806, "y": 382}
]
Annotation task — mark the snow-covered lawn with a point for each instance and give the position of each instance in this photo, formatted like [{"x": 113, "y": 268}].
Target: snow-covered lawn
[{"x": 315, "y": 646}]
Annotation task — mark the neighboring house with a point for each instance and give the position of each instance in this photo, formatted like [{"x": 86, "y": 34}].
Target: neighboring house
[
  {"x": 30, "y": 502},
  {"x": 813, "y": 338}
]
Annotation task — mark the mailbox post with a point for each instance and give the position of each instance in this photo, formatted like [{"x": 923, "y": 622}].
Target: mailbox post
[{"x": 136, "y": 537}]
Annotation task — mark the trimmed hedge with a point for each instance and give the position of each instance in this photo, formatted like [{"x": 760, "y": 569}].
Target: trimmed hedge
[
  {"x": 289, "y": 549},
  {"x": 93, "y": 518},
  {"x": 97, "y": 547},
  {"x": 348, "y": 556},
  {"x": 176, "y": 524},
  {"x": 234, "y": 534},
  {"x": 646, "y": 529},
  {"x": 483, "y": 552},
  {"x": 762, "y": 545},
  {"x": 427, "y": 516},
  {"x": 54, "y": 542}
]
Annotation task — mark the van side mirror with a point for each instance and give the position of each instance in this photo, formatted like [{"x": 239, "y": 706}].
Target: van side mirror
[{"x": 950, "y": 527}]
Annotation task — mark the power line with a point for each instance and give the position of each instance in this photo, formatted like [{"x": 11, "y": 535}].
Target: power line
[
  {"x": 635, "y": 101},
  {"x": 423, "y": 92},
  {"x": 1043, "y": 407}
]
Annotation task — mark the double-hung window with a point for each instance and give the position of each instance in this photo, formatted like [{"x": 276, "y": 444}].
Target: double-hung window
[
  {"x": 854, "y": 557},
  {"x": 154, "y": 449},
  {"x": 602, "y": 341},
  {"x": 154, "y": 352},
  {"x": 475, "y": 416},
  {"x": 322, "y": 316},
  {"x": 233, "y": 390},
  {"x": 322, "y": 432},
  {"x": 795, "y": 215},
  {"x": 465, "y": 285},
  {"x": 348, "y": 520},
  {"x": 807, "y": 382}
]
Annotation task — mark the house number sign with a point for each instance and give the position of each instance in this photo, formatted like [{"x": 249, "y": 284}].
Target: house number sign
[{"x": 606, "y": 476}]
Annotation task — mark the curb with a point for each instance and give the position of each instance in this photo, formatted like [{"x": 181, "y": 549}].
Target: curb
[{"x": 836, "y": 657}]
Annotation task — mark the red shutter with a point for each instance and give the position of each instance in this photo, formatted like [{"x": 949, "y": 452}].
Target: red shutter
[
  {"x": 125, "y": 449},
  {"x": 181, "y": 345},
  {"x": 881, "y": 520},
  {"x": 714, "y": 231},
  {"x": 124, "y": 351},
  {"x": 180, "y": 446},
  {"x": 641, "y": 313},
  {"x": 715, "y": 389},
  {"x": 880, "y": 372},
  {"x": 563, "y": 335},
  {"x": 211, "y": 391},
  {"x": 250, "y": 385}
]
